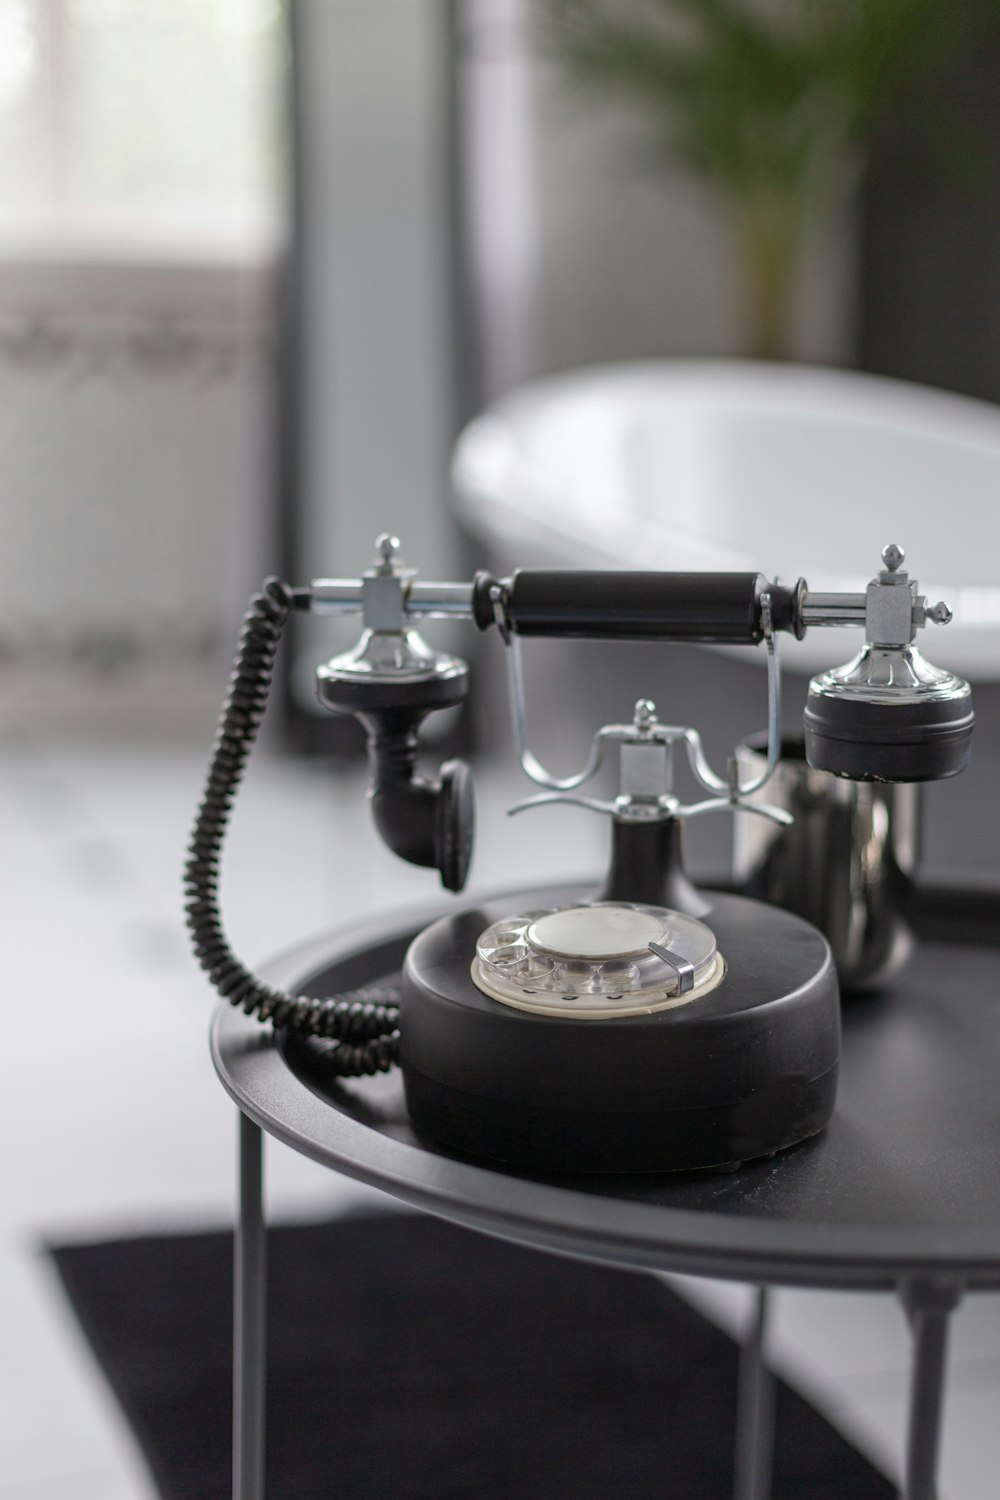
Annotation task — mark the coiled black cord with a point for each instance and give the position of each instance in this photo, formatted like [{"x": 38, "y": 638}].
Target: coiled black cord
[{"x": 365, "y": 1022}]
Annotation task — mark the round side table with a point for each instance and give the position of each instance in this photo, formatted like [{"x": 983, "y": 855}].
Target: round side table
[{"x": 901, "y": 1192}]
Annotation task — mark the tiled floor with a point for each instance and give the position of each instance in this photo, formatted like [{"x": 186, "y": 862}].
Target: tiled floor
[{"x": 117, "y": 1123}]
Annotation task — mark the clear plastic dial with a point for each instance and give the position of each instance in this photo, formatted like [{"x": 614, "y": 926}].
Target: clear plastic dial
[{"x": 596, "y": 961}]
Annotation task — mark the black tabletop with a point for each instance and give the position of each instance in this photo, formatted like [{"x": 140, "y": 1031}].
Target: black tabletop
[{"x": 905, "y": 1181}]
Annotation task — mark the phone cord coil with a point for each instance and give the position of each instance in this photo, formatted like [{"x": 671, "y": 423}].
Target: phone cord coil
[{"x": 365, "y": 1022}]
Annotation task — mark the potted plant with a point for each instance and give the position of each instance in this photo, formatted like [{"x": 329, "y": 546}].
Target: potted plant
[{"x": 770, "y": 103}]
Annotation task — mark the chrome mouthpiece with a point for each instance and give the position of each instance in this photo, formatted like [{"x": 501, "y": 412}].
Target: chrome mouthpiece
[{"x": 889, "y": 715}]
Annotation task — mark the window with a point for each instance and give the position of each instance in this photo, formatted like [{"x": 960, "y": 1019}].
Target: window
[{"x": 132, "y": 122}]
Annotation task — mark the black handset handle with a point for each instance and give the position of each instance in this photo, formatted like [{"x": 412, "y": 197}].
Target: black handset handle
[{"x": 635, "y": 606}]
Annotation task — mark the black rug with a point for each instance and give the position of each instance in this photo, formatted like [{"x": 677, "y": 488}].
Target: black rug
[{"x": 412, "y": 1361}]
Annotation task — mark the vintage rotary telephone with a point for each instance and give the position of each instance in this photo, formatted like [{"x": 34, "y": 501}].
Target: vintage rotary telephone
[{"x": 644, "y": 1026}]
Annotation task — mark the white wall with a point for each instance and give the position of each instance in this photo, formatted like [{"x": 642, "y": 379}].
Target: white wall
[{"x": 135, "y": 438}]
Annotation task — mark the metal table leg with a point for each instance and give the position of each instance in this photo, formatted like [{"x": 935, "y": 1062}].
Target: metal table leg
[
  {"x": 754, "y": 1409},
  {"x": 249, "y": 1312},
  {"x": 928, "y": 1305}
]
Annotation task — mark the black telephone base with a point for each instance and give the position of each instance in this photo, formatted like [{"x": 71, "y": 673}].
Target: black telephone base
[{"x": 744, "y": 1071}]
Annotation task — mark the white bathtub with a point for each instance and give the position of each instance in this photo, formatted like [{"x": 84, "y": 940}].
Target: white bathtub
[{"x": 692, "y": 464}]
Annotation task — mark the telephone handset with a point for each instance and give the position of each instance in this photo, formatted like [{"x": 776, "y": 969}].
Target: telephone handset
[{"x": 644, "y": 1026}]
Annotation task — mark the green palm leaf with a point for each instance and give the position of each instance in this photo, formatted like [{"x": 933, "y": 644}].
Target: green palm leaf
[{"x": 767, "y": 102}]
